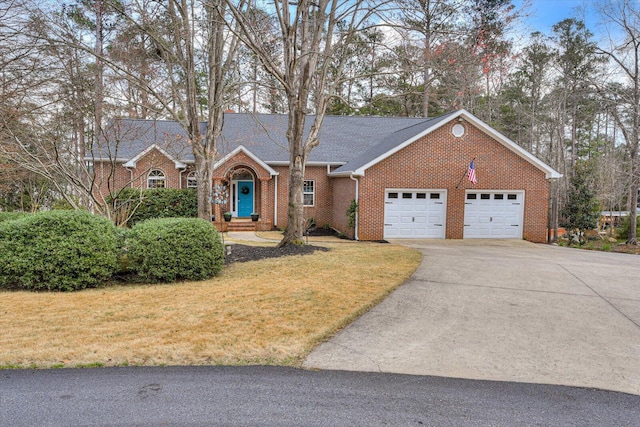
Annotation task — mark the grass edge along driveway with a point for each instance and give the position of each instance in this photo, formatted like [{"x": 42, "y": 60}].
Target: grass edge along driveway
[{"x": 272, "y": 311}]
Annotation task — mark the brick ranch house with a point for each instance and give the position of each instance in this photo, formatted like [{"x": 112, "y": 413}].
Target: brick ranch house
[{"x": 408, "y": 175}]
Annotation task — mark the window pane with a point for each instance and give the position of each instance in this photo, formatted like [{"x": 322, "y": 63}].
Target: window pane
[
  {"x": 421, "y": 196},
  {"x": 407, "y": 195},
  {"x": 156, "y": 179},
  {"x": 498, "y": 196},
  {"x": 393, "y": 195},
  {"x": 434, "y": 196},
  {"x": 192, "y": 182},
  {"x": 307, "y": 187},
  {"x": 512, "y": 197},
  {"x": 308, "y": 192},
  {"x": 472, "y": 196},
  {"x": 485, "y": 196}
]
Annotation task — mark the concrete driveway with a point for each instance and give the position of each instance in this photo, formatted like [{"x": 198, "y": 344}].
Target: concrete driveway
[{"x": 506, "y": 311}]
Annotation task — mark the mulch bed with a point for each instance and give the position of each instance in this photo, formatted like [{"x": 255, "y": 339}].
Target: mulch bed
[
  {"x": 627, "y": 249},
  {"x": 244, "y": 253}
]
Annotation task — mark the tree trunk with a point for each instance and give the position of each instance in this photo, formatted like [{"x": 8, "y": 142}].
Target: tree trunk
[
  {"x": 633, "y": 204},
  {"x": 295, "y": 214},
  {"x": 204, "y": 175}
]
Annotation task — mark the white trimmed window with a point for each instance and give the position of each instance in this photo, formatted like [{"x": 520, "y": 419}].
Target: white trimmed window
[
  {"x": 192, "y": 181},
  {"x": 309, "y": 192},
  {"x": 156, "y": 179}
]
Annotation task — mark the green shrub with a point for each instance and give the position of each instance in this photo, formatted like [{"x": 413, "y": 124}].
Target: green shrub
[
  {"x": 157, "y": 203},
  {"x": 622, "y": 233},
  {"x": 57, "y": 250},
  {"x": 170, "y": 249},
  {"x": 10, "y": 216}
]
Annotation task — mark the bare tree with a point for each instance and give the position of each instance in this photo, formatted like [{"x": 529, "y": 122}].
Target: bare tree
[
  {"x": 308, "y": 72},
  {"x": 622, "y": 21}
]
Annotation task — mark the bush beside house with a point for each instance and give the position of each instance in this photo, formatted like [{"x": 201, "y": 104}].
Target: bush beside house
[
  {"x": 170, "y": 249},
  {"x": 140, "y": 205},
  {"x": 11, "y": 216}
]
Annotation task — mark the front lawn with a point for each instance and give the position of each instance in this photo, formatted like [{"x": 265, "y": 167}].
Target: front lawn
[{"x": 271, "y": 311}]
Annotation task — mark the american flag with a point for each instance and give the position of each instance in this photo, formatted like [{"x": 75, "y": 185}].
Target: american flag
[{"x": 471, "y": 172}]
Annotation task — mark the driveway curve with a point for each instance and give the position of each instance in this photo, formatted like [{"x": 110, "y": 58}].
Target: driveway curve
[{"x": 506, "y": 311}]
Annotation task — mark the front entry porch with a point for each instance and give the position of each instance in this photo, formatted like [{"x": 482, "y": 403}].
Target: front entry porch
[{"x": 242, "y": 190}]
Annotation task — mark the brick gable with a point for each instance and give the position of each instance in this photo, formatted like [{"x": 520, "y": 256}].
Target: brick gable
[{"x": 438, "y": 161}]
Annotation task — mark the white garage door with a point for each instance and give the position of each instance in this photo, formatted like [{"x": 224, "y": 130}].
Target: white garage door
[
  {"x": 414, "y": 214},
  {"x": 493, "y": 214}
]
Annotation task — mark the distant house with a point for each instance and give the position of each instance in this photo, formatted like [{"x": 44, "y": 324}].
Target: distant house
[{"x": 408, "y": 175}]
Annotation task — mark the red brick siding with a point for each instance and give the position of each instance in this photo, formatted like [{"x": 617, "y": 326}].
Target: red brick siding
[
  {"x": 108, "y": 181},
  {"x": 344, "y": 191},
  {"x": 322, "y": 209},
  {"x": 438, "y": 161}
]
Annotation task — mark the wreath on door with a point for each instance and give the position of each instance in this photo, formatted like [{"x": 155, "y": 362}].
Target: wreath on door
[{"x": 244, "y": 189}]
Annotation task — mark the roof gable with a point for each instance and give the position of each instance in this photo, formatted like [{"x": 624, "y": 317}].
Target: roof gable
[
  {"x": 132, "y": 163},
  {"x": 242, "y": 149},
  {"x": 404, "y": 137}
]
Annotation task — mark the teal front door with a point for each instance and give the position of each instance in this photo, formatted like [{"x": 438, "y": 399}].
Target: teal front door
[{"x": 245, "y": 198}]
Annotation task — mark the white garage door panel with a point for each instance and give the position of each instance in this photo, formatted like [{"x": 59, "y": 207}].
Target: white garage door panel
[
  {"x": 414, "y": 214},
  {"x": 493, "y": 214}
]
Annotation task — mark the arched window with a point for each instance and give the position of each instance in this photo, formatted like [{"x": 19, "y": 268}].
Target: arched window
[
  {"x": 192, "y": 181},
  {"x": 156, "y": 179}
]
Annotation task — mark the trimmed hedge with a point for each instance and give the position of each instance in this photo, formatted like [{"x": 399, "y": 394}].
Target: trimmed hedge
[
  {"x": 170, "y": 249},
  {"x": 158, "y": 203},
  {"x": 11, "y": 216},
  {"x": 57, "y": 250}
]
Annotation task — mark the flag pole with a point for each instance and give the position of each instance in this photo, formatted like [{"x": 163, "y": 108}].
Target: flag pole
[{"x": 465, "y": 173}]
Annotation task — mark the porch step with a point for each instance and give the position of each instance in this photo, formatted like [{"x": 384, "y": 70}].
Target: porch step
[{"x": 242, "y": 224}]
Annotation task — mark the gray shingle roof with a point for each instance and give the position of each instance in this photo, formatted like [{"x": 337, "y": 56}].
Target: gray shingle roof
[
  {"x": 390, "y": 142},
  {"x": 343, "y": 139}
]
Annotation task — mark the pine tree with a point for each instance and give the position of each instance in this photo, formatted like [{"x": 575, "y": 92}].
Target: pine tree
[{"x": 582, "y": 209}]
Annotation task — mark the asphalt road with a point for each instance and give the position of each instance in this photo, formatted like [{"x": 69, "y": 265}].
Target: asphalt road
[{"x": 273, "y": 396}]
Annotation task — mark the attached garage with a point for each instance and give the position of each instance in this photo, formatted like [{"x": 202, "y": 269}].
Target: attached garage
[
  {"x": 410, "y": 213},
  {"x": 493, "y": 214},
  {"x": 417, "y": 183}
]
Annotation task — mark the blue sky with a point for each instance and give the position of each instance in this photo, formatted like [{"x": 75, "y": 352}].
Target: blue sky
[{"x": 545, "y": 13}]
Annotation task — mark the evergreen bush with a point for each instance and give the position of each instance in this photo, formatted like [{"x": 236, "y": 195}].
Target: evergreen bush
[
  {"x": 10, "y": 216},
  {"x": 170, "y": 249},
  {"x": 156, "y": 203},
  {"x": 57, "y": 251},
  {"x": 622, "y": 233},
  {"x": 582, "y": 210}
]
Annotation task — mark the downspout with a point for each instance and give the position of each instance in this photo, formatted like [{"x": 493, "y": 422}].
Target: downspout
[
  {"x": 181, "y": 172},
  {"x": 275, "y": 203},
  {"x": 131, "y": 174},
  {"x": 355, "y": 228}
]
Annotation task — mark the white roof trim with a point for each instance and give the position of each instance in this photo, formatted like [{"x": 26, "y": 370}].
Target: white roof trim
[
  {"x": 286, "y": 163},
  {"x": 132, "y": 163},
  {"x": 506, "y": 142},
  {"x": 250, "y": 155}
]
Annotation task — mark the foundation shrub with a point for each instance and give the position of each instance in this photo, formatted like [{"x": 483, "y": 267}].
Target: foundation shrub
[
  {"x": 171, "y": 249},
  {"x": 57, "y": 251},
  {"x": 10, "y": 216},
  {"x": 141, "y": 205}
]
